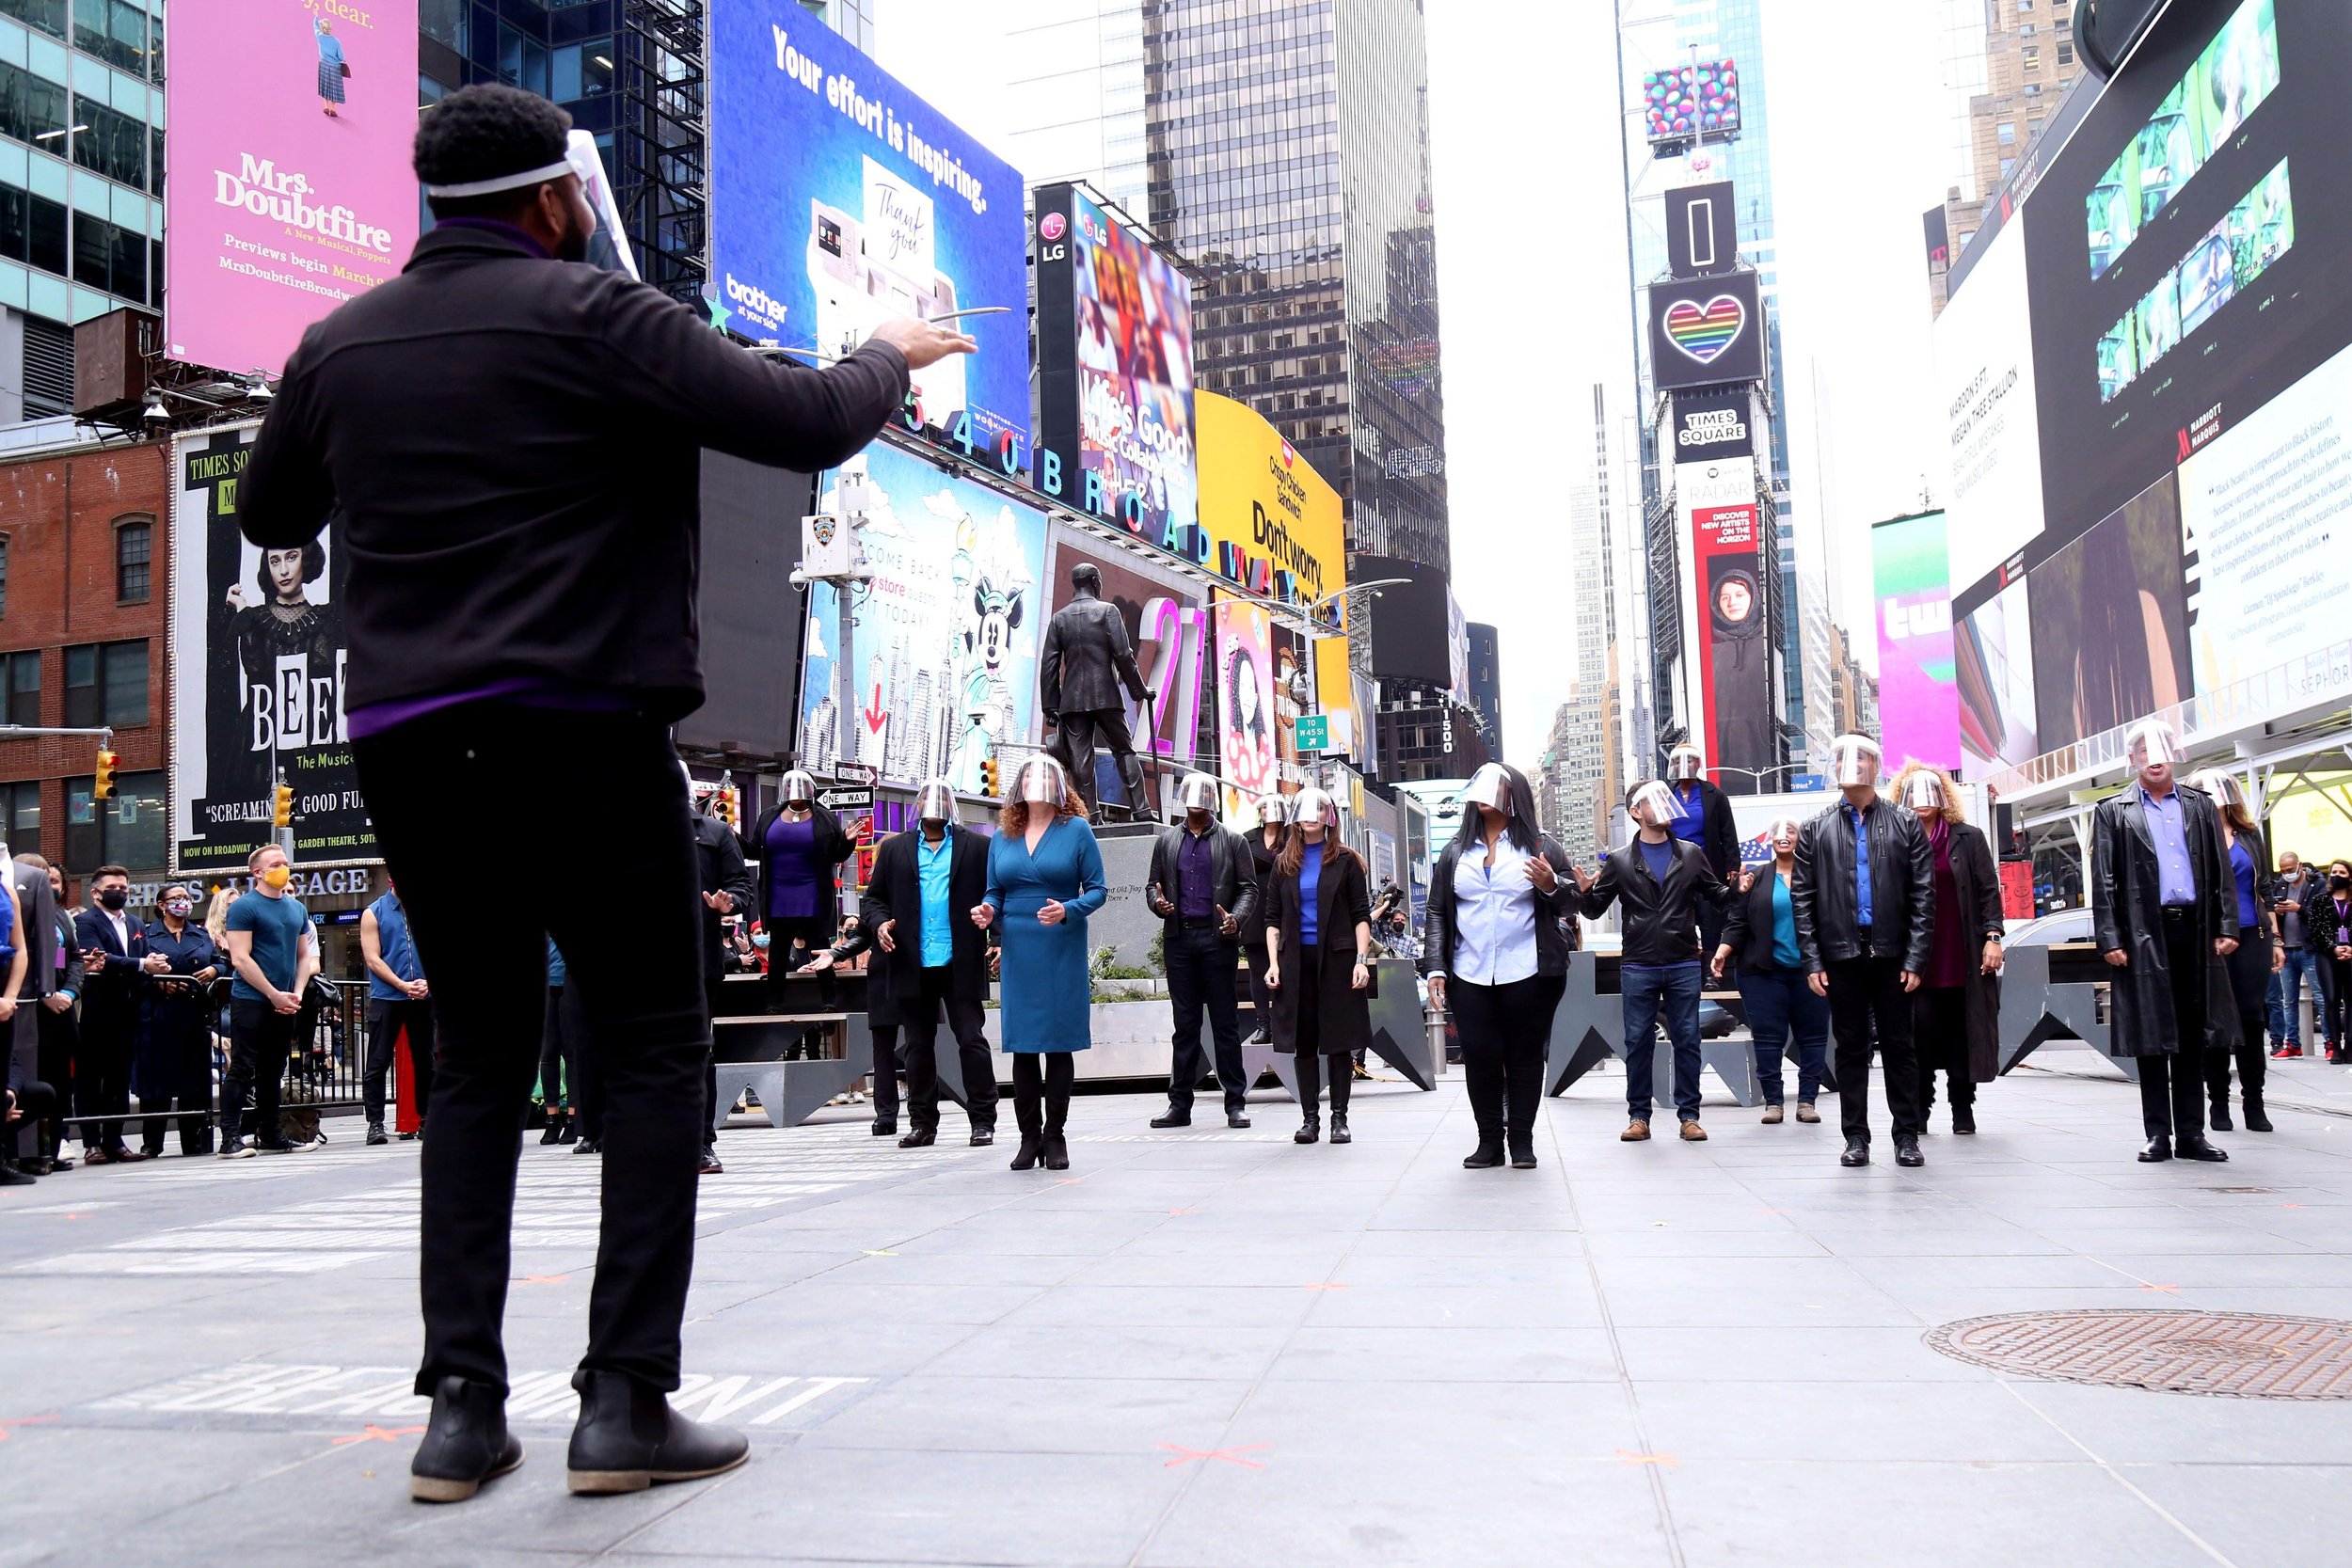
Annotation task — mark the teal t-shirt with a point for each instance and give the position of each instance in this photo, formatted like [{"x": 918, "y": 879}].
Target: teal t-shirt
[
  {"x": 1786, "y": 953},
  {"x": 279, "y": 925}
]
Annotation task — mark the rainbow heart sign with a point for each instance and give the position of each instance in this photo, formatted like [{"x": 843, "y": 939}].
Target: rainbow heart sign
[{"x": 1704, "y": 331}]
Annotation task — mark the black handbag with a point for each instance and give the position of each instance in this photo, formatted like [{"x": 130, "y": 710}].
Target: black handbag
[{"x": 344, "y": 66}]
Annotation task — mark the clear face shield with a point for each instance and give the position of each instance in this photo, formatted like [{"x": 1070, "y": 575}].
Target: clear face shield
[
  {"x": 1684, "y": 764},
  {"x": 1042, "y": 783},
  {"x": 1924, "y": 792},
  {"x": 2154, "y": 745},
  {"x": 1653, "y": 804},
  {"x": 1312, "y": 808},
  {"x": 1274, "y": 808},
  {"x": 799, "y": 790},
  {"x": 608, "y": 243},
  {"x": 1196, "y": 793},
  {"x": 1489, "y": 786},
  {"x": 1782, "y": 835},
  {"x": 935, "y": 802},
  {"x": 2224, "y": 788},
  {"x": 1854, "y": 759}
]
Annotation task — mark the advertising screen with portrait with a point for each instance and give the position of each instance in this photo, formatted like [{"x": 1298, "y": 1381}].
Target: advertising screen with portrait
[
  {"x": 1735, "y": 647},
  {"x": 1250, "y": 752},
  {"x": 2110, "y": 626}
]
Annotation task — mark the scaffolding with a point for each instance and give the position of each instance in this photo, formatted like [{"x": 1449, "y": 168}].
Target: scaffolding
[{"x": 661, "y": 146}]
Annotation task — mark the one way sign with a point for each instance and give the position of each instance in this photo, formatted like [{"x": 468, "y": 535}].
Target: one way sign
[{"x": 836, "y": 800}]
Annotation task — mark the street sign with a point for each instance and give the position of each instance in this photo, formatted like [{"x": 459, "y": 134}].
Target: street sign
[
  {"x": 855, "y": 773},
  {"x": 1809, "y": 781},
  {"x": 836, "y": 800},
  {"x": 1314, "y": 732}
]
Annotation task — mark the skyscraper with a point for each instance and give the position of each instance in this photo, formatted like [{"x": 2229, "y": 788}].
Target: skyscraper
[{"x": 1083, "y": 82}]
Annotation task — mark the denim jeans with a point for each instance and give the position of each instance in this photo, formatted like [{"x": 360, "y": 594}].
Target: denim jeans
[
  {"x": 2286, "y": 996},
  {"x": 1650, "y": 990},
  {"x": 1779, "y": 1002}
]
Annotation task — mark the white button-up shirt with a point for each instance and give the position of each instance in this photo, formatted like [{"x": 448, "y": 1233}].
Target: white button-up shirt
[{"x": 1494, "y": 917}]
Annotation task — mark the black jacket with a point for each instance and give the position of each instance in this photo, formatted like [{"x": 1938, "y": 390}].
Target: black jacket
[
  {"x": 514, "y": 446},
  {"x": 37, "y": 910},
  {"x": 832, "y": 847},
  {"x": 1749, "y": 931},
  {"x": 1343, "y": 1013},
  {"x": 2127, "y": 917},
  {"x": 895, "y": 892},
  {"x": 1661, "y": 919},
  {"x": 1902, "y": 887},
  {"x": 110, "y": 995},
  {"x": 720, "y": 861},
  {"x": 1087, "y": 657},
  {"x": 2322, "y": 933},
  {"x": 1552, "y": 943},
  {"x": 1719, "y": 835},
  {"x": 1233, "y": 879}
]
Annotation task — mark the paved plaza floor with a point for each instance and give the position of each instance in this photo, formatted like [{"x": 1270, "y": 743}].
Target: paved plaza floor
[{"x": 1214, "y": 1348}]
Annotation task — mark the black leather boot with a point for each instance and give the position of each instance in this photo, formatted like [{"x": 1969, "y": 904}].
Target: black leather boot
[
  {"x": 1486, "y": 1156},
  {"x": 1522, "y": 1145},
  {"x": 1965, "y": 1118},
  {"x": 1340, "y": 1134},
  {"x": 2221, "y": 1118},
  {"x": 466, "y": 1443},
  {"x": 1056, "y": 1147},
  {"x": 629, "y": 1438},
  {"x": 1310, "y": 1131},
  {"x": 2157, "y": 1150},
  {"x": 2257, "y": 1119},
  {"x": 2191, "y": 1145}
]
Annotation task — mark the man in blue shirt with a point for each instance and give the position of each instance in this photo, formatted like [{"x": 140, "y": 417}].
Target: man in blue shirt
[
  {"x": 1203, "y": 886},
  {"x": 2164, "y": 913},
  {"x": 920, "y": 881},
  {"x": 398, "y": 1004},
  {"x": 273, "y": 950}
]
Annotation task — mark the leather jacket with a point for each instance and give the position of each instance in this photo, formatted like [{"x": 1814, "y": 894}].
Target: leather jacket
[
  {"x": 1552, "y": 945},
  {"x": 1087, "y": 657},
  {"x": 1660, "y": 919},
  {"x": 1903, "y": 888},
  {"x": 1232, "y": 880}
]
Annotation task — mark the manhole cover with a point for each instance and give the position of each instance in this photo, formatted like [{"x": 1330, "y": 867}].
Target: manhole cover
[{"x": 2239, "y": 1354}]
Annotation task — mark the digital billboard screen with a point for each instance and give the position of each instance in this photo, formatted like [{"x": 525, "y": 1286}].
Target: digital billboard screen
[
  {"x": 1409, "y": 620},
  {"x": 840, "y": 199},
  {"x": 1705, "y": 331},
  {"x": 1690, "y": 103},
  {"x": 1115, "y": 368},
  {"x": 288, "y": 186},
  {"x": 2110, "y": 626},
  {"x": 1735, "y": 646},
  {"x": 1918, "y": 706}
]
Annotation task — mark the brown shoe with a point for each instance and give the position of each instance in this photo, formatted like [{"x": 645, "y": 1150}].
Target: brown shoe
[
  {"x": 1771, "y": 1115},
  {"x": 1636, "y": 1131},
  {"x": 1693, "y": 1133},
  {"x": 1806, "y": 1113}
]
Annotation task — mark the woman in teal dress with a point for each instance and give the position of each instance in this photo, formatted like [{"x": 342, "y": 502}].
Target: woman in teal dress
[{"x": 1045, "y": 878}]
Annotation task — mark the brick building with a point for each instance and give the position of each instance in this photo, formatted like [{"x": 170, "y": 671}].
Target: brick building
[{"x": 82, "y": 534}]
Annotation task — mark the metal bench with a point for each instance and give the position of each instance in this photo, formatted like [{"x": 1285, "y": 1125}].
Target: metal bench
[{"x": 789, "y": 1092}]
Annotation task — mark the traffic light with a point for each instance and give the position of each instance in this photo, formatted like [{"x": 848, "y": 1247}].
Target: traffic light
[
  {"x": 725, "y": 805},
  {"x": 988, "y": 779},
  {"x": 103, "y": 785},
  {"x": 282, "y": 806}
]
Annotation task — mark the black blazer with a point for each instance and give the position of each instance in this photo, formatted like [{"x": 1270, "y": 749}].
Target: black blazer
[
  {"x": 1660, "y": 919},
  {"x": 1233, "y": 879},
  {"x": 112, "y": 992},
  {"x": 1552, "y": 942},
  {"x": 832, "y": 847},
  {"x": 1343, "y": 1013},
  {"x": 1902, "y": 887},
  {"x": 896, "y": 894},
  {"x": 1086, "y": 659},
  {"x": 1749, "y": 931},
  {"x": 1719, "y": 835},
  {"x": 720, "y": 860},
  {"x": 515, "y": 447}
]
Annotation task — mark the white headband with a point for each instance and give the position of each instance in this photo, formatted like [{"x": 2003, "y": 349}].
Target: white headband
[{"x": 539, "y": 176}]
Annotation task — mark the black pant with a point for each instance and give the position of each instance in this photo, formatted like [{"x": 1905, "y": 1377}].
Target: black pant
[
  {"x": 1310, "y": 1085},
  {"x": 386, "y": 1019},
  {"x": 1041, "y": 1089},
  {"x": 2250, "y": 987},
  {"x": 1200, "y": 969},
  {"x": 885, "y": 1080},
  {"x": 101, "y": 1072},
  {"x": 1504, "y": 1030},
  {"x": 1867, "y": 997},
  {"x": 1079, "y": 734},
  {"x": 2171, "y": 1088},
  {"x": 1939, "y": 1017},
  {"x": 260, "y": 1038},
  {"x": 2335, "y": 1000},
  {"x": 560, "y": 1042},
  {"x": 59, "y": 1037},
  {"x": 1260, "y": 1000},
  {"x": 634, "y": 952},
  {"x": 968, "y": 1019},
  {"x": 34, "y": 1100}
]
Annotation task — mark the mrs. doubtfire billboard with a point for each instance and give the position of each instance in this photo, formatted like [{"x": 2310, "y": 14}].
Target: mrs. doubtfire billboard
[
  {"x": 839, "y": 199},
  {"x": 289, "y": 187}
]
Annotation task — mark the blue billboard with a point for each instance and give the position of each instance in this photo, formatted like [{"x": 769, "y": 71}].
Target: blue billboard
[{"x": 838, "y": 199}]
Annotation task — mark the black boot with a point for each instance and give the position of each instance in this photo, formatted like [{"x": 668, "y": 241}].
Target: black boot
[
  {"x": 466, "y": 1443},
  {"x": 1965, "y": 1118},
  {"x": 553, "y": 1133},
  {"x": 1057, "y": 1148},
  {"x": 2220, "y": 1117},
  {"x": 1486, "y": 1156},
  {"x": 1027, "y": 1156},
  {"x": 11, "y": 1177},
  {"x": 2158, "y": 1148},
  {"x": 1175, "y": 1116},
  {"x": 2257, "y": 1119},
  {"x": 922, "y": 1138},
  {"x": 629, "y": 1438},
  {"x": 1310, "y": 1131},
  {"x": 1340, "y": 1134},
  {"x": 1522, "y": 1145},
  {"x": 1857, "y": 1151}
]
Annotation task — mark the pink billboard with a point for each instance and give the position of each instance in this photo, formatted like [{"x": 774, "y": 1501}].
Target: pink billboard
[{"x": 288, "y": 188}]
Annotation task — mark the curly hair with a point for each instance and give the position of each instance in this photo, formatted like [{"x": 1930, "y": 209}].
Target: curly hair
[
  {"x": 1014, "y": 818},
  {"x": 1953, "y": 811},
  {"x": 481, "y": 133}
]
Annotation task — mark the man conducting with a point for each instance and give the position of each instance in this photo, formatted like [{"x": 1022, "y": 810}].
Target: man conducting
[
  {"x": 2163, "y": 909},
  {"x": 1862, "y": 892},
  {"x": 1203, "y": 886},
  {"x": 512, "y": 443},
  {"x": 922, "y": 881},
  {"x": 1087, "y": 659}
]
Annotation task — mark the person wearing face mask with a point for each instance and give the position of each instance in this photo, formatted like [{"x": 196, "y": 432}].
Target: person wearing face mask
[
  {"x": 1662, "y": 882},
  {"x": 1956, "y": 1012},
  {"x": 275, "y": 954},
  {"x": 1864, "y": 891},
  {"x": 116, "y": 964},
  {"x": 2328, "y": 937},
  {"x": 1497, "y": 958},
  {"x": 175, "y": 1048},
  {"x": 2164, "y": 914},
  {"x": 400, "y": 1009},
  {"x": 1318, "y": 940},
  {"x": 2295, "y": 887},
  {"x": 41, "y": 1038},
  {"x": 1265, "y": 847},
  {"x": 1702, "y": 817},
  {"x": 1203, "y": 886},
  {"x": 1761, "y": 938},
  {"x": 2258, "y": 958},
  {"x": 1044, "y": 879},
  {"x": 923, "y": 885},
  {"x": 511, "y": 447}
]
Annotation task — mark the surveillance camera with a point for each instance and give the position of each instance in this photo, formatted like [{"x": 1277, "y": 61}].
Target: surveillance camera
[
  {"x": 156, "y": 417},
  {"x": 798, "y": 579}
]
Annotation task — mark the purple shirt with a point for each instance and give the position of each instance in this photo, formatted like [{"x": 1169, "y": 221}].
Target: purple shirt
[
  {"x": 792, "y": 854},
  {"x": 2176, "y": 879},
  {"x": 1195, "y": 896}
]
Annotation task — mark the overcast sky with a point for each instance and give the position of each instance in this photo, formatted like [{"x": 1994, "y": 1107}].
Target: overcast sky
[{"x": 1534, "y": 292}]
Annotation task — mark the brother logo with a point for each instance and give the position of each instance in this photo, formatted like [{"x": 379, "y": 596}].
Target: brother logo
[
  {"x": 1712, "y": 427},
  {"x": 755, "y": 300}
]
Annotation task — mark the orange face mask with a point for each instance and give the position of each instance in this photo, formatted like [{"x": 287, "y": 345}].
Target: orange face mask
[{"x": 277, "y": 876}]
